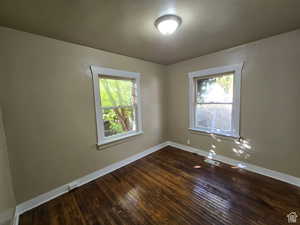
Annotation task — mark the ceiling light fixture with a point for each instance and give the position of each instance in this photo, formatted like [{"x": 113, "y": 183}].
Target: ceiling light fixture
[{"x": 167, "y": 24}]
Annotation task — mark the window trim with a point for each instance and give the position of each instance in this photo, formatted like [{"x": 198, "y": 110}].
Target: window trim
[
  {"x": 98, "y": 71},
  {"x": 237, "y": 70}
]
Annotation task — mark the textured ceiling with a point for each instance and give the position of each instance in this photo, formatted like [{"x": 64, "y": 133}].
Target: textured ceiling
[{"x": 126, "y": 26}]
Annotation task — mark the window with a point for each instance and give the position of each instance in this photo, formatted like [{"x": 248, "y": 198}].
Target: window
[
  {"x": 117, "y": 104},
  {"x": 215, "y": 100}
]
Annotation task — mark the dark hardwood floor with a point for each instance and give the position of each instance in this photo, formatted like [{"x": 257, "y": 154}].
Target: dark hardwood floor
[{"x": 165, "y": 188}]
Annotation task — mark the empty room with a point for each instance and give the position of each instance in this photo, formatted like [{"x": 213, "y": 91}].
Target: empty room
[{"x": 149, "y": 112}]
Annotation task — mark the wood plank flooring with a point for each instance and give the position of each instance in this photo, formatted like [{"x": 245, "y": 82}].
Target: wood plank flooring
[{"x": 165, "y": 188}]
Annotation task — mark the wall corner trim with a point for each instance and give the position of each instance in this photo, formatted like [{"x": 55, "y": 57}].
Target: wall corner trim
[{"x": 250, "y": 167}]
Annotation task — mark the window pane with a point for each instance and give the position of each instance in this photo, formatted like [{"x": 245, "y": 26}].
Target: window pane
[
  {"x": 116, "y": 92},
  {"x": 118, "y": 120},
  {"x": 214, "y": 117},
  {"x": 215, "y": 89}
]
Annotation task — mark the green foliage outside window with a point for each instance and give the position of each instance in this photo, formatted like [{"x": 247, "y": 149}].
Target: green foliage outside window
[{"x": 117, "y": 99}]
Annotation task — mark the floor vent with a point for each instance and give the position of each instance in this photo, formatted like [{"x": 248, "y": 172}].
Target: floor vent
[{"x": 212, "y": 162}]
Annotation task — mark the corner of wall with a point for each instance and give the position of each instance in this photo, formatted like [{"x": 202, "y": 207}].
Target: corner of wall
[{"x": 7, "y": 197}]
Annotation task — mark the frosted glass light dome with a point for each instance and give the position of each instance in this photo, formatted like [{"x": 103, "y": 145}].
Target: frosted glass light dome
[{"x": 168, "y": 24}]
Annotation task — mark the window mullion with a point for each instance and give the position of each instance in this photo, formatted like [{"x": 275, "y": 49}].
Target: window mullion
[
  {"x": 215, "y": 103},
  {"x": 115, "y": 107}
]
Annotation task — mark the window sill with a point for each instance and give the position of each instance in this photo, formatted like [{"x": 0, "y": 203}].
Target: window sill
[
  {"x": 202, "y": 132},
  {"x": 119, "y": 138}
]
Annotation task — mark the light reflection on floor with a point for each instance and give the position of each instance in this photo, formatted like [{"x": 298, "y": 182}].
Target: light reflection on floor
[
  {"x": 243, "y": 150},
  {"x": 215, "y": 202}
]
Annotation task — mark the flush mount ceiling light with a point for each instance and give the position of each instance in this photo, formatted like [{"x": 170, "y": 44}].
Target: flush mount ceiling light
[{"x": 167, "y": 24}]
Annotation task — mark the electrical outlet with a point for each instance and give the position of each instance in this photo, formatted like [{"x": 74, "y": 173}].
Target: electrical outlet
[{"x": 188, "y": 141}]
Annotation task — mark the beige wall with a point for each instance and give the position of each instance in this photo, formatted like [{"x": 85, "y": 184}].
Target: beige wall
[
  {"x": 49, "y": 110},
  {"x": 47, "y": 98},
  {"x": 7, "y": 199},
  {"x": 270, "y": 105}
]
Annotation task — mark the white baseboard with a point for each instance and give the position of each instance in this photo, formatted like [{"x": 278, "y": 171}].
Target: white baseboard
[
  {"x": 30, "y": 204},
  {"x": 6, "y": 216},
  {"x": 250, "y": 167},
  {"x": 15, "y": 219}
]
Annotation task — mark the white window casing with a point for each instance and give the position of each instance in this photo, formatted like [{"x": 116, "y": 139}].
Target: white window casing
[
  {"x": 213, "y": 72},
  {"x": 102, "y": 71}
]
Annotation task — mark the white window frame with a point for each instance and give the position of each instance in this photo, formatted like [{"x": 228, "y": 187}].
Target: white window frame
[
  {"x": 96, "y": 73},
  {"x": 212, "y": 72}
]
